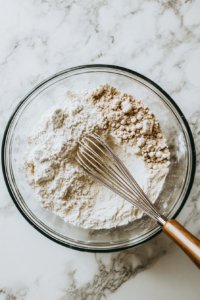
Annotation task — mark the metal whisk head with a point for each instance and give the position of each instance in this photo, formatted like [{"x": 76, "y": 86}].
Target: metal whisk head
[{"x": 100, "y": 161}]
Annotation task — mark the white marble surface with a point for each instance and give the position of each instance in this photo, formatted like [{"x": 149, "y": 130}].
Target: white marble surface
[{"x": 160, "y": 39}]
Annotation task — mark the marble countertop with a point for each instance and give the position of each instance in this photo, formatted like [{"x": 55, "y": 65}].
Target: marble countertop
[{"x": 159, "y": 39}]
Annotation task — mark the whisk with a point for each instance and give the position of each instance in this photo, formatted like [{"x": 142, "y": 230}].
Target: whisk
[{"x": 99, "y": 161}]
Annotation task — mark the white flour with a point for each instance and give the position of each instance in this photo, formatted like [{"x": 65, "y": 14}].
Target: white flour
[{"x": 63, "y": 187}]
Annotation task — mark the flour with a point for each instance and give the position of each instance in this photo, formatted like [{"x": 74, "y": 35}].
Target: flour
[{"x": 63, "y": 187}]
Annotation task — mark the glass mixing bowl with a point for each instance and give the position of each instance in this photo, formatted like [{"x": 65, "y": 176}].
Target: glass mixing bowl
[{"x": 177, "y": 185}]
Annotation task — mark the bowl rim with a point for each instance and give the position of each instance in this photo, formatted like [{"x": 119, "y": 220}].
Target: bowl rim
[{"x": 90, "y": 66}]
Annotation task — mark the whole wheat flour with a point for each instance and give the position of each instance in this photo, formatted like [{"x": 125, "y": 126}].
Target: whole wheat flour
[{"x": 63, "y": 187}]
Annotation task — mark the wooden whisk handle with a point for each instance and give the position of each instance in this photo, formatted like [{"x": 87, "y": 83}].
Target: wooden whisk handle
[{"x": 184, "y": 239}]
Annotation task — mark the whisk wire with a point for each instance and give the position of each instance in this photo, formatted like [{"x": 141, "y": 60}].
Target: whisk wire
[
  {"x": 130, "y": 177},
  {"x": 126, "y": 172},
  {"x": 102, "y": 181},
  {"x": 113, "y": 174},
  {"x": 105, "y": 166},
  {"x": 136, "y": 189},
  {"x": 99, "y": 170}
]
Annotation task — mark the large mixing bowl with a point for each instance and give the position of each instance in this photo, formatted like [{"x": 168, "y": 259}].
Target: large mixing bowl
[{"x": 174, "y": 125}]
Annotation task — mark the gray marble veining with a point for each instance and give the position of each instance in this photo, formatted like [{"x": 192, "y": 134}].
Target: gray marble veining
[{"x": 160, "y": 39}]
